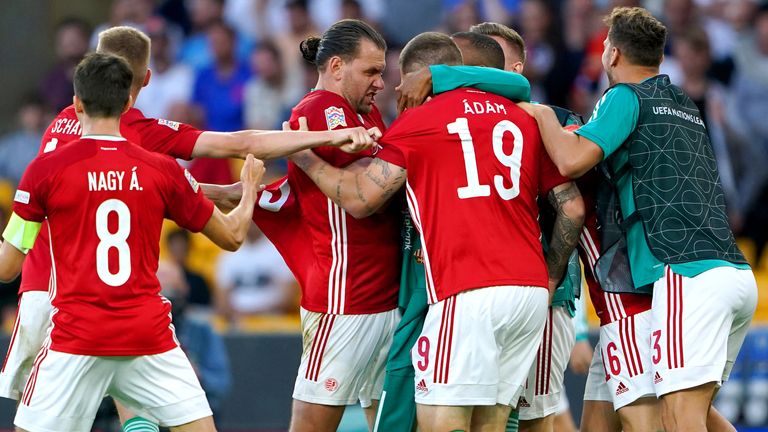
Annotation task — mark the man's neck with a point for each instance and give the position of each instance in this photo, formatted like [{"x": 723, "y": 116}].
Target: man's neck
[
  {"x": 636, "y": 74},
  {"x": 100, "y": 126}
]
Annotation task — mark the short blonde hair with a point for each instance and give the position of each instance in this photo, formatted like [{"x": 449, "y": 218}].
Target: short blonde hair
[
  {"x": 130, "y": 44},
  {"x": 500, "y": 30}
]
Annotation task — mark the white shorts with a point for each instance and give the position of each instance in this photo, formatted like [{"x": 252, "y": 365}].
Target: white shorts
[
  {"x": 65, "y": 390},
  {"x": 477, "y": 347},
  {"x": 344, "y": 357},
  {"x": 626, "y": 356},
  {"x": 699, "y": 325},
  {"x": 33, "y": 319},
  {"x": 596, "y": 388},
  {"x": 544, "y": 386}
]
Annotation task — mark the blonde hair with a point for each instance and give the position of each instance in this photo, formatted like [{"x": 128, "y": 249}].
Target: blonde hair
[
  {"x": 500, "y": 30},
  {"x": 130, "y": 44}
]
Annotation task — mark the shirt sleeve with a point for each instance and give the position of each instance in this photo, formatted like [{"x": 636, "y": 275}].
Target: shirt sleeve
[
  {"x": 406, "y": 128},
  {"x": 508, "y": 84},
  {"x": 28, "y": 210},
  {"x": 29, "y": 201},
  {"x": 613, "y": 119},
  {"x": 167, "y": 137},
  {"x": 187, "y": 206},
  {"x": 549, "y": 175}
]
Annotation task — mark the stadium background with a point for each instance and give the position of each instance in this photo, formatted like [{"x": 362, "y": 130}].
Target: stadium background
[{"x": 235, "y": 64}]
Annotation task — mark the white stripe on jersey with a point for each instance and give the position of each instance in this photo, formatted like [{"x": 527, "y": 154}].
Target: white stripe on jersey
[
  {"x": 52, "y": 284},
  {"x": 334, "y": 263},
  {"x": 337, "y": 277},
  {"x": 413, "y": 204}
]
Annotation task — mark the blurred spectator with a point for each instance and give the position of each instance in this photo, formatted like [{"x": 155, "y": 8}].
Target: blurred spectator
[
  {"x": 298, "y": 27},
  {"x": 219, "y": 88},
  {"x": 134, "y": 13},
  {"x": 18, "y": 148},
  {"x": 171, "y": 82},
  {"x": 747, "y": 112},
  {"x": 199, "y": 297},
  {"x": 205, "y": 170},
  {"x": 197, "y": 50},
  {"x": 8, "y": 291},
  {"x": 692, "y": 52},
  {"x": 71, "y": 44},
  {"x": 540, "y": 44},
  {"x": 461, "y": 16},
  {"x": 327, "y": 12},
  {"x": 203, "y": 346},
  {"x": 254, "y": 280},
  {"x": 243, "y": 15},
  {"x": 407, "y": 18},
  {"x": 272, "y": 91}
]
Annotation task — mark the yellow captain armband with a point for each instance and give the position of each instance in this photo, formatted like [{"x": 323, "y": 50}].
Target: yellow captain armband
[{"x": 21, "y": 233}]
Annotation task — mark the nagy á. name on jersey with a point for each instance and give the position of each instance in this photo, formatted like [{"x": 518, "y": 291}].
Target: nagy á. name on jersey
[{"x": 112, "y": 181}]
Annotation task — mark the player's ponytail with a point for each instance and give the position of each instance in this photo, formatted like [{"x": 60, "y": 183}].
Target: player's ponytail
[
  {"x": 309, "y": 48},
  {"x": 342, "y": 39}
]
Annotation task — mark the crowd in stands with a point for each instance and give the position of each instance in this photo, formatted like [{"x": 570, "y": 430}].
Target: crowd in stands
[{"x": 234, "y": 64}]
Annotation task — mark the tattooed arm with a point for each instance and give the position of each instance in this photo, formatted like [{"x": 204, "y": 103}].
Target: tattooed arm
[
  {"x": 569, "y": 208},
  {"x": 358, "y": 191}
]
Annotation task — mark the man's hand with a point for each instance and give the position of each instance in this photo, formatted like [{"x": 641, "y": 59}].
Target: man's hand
[
  {"x": 414, "y": 89},
  {"x": 250, "y": 177},
  {"x": 362, "y": 141},
  {"x": 531, "y": 108}
]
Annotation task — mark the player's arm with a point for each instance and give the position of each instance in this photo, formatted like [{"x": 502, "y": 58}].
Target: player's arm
[
  {"x": 225, "y": 197},
  {"x": 612, "y": 122},
  {"x": 436, "y": 79},
  {"x": 276, "y": 144},
  {"x": 228, "y": 230},
  {"x": 19, "y": 236},
  {"x": 569, "y": 218},
  {"x": 573, "y": 154},
  {"x": 360, "y": 192}
]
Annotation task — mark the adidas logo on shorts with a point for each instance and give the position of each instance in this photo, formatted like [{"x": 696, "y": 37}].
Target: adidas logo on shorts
[
  {"x": 621, "y": 389},
  {"x": 657, "y": 378},
  {"x": 523, "y": 403},
  {"x": 421, "y": 386}
]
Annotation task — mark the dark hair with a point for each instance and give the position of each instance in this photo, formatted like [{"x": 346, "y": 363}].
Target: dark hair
[
  {"x": 428, "y": 49},
  {"x": 81, "y": 25},
  {"x": 103, "y": 83},
  {"x": 341, "y": 39},
  {"x": 638, "y": 35},
  {"x": 130, "y": 44},
  {"x": 696, "y": 38},
  {"x": 483, "y": 51},
  {"x": 500, "y": 30}
]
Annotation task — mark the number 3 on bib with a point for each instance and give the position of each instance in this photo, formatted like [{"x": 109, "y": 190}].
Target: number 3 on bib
[
  {"x": 474, "y": 189},
  {"x": 117, "y": 240}
]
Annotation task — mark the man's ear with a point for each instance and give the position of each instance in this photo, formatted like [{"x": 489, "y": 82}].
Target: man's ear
[
  {"x": 79, "y": 109},
  {"x": 615, "y": 56},
  {"x": 517, "y": 67},
  {"x": 335, "y": 66},
  {"x": 147, "y": 77},
  {"x": 128, "y": 105}
]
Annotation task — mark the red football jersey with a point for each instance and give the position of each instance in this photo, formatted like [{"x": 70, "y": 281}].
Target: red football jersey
[
  {"x": 105, "y": 199},
  {"x": 476, "y": 165},
  {"x": 609, "y": 307},
  {"x": 344, "y": 265},
  {"x": 157, "y": 135}
]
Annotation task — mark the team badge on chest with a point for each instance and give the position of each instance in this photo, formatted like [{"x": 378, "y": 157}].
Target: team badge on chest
[{"x": 334, "y": 116}]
